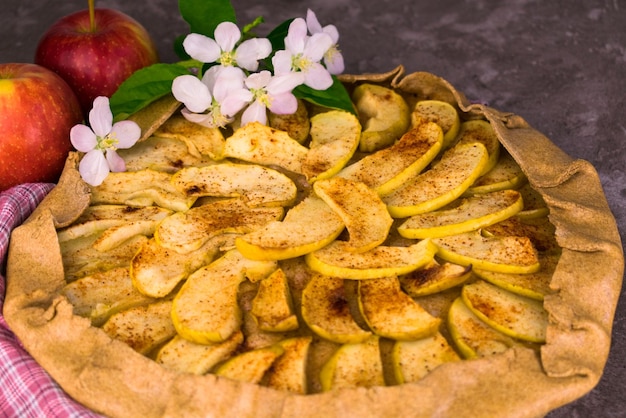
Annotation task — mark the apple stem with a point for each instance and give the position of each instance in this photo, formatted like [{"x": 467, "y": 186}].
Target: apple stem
[{"x": 92, "y": 15}]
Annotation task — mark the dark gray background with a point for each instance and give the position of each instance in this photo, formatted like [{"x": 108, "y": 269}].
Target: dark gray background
[{"x": 559, "y": 64}]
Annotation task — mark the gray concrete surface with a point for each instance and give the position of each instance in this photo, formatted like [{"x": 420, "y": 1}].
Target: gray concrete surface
[{"x": 559, "y": 64}]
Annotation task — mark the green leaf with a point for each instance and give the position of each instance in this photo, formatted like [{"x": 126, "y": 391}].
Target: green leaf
[
  {"x": 203, "y": 16},
  {"x": 334, "y": 97},
  {"x": 143, "y": 87}
]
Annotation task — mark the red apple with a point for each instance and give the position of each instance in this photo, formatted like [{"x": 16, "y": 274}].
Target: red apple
[
  {"x": 95, "y": 59},
  {"x": 37, "y": 111}
]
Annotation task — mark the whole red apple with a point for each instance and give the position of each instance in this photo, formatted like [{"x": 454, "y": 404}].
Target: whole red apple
[
  {"x": 37, "y": 111},
  {"x": 95, "y": 58}
]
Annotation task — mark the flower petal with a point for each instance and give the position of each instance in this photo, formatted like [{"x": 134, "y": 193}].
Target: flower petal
[
  {"x": 296, "y": 36},
  {"x": 317, "y": 77},
  {"x": 227, "y": 34},
  {"x": 334, "y": 61},
  {"x": 127, "y": 133},
  {"x": 316, "y": 46},
  {"x": 235, "y": 101},
  {"x": 201, "y": 48},
  {"x": 256, "y": 112},
  {"x": 93, "y": 168},
  {"x": 251, "y": 51},
  {"x": 100, "y": 116},
  {"x": 331, "y": 30},
  {"x": 312, "y": 23},
  {"x": 83, "y": 138},
  {"x": 284, "y": 104},
  {"x": 193, "y": 93},
  {"x": 258, "y": 80},
  {"x": 116, "y": 163},
  {"x": 284, "y": 83},
  {"x": 204, "y": 119},
  {"x": 229, "y": 79},
  {"x": 281, "y": 61}
]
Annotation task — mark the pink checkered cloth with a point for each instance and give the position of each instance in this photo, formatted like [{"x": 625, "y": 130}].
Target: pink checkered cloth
[{"x": 26, "y": 390}]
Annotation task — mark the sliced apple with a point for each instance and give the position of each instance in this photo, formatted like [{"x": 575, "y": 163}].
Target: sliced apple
[
  {"x": 161, "y": 154},
  {"x": 382, "y": 261},
  {"x": 326, "y": 310},
  {"x": 261, "y": 144},
  {"x": 391, "y": 313},
  {"x": 441, "y": 113},
  {"x": 389, "y": 168},
  {"x": 272, "y": 306},
  {"x": 481, "y": 131},
  {"x": 250, "y": 366},
  {"x": 188, "y": 357},
  {"x": 507, "y": 174},
  {"x": 433, "y": 278},
  {"x": 257, "y": 185},
  {"x": 361, "y": 210},
  {"x": 143, "y": 327},
  {"x": 514, "y": 315},
  {"x": 334, "y": 139},
  {"x": 383, "y": 113},
  {"x": 200, "y": 140},
  {"x": 534, "y": 205},
  {"x": 155, "y": 271},
  {"x": 296, "y": 124},
  {"x": 288, "y": 372},
  {"x": 354, "y": 365},
  {"x": 534, "y": 285},
  {"x": 185, "y": 232},
  {"x": 101, "y": 295},
  {"x": 141, "y": 188},
  {"x": 459, "y": 167},
  {"x": 470, "y": 214},
  {"x": 473, "y": 337},
  {"x": 509, "y": 254},
  {"x": 295, "y": 235},
  {"x": 412, "y": 360},
  {"x": 205, "y": 310}
]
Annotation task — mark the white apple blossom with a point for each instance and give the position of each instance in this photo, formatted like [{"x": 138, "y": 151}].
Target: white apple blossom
[
  {"x": 103, "y": 138},
  {"x": 214, "y": 100},
  {"x": 303, "y": 53},
  {"x": 333, "y": 59},
  {"x": 222, "y": 48},
  {"x": 270, "y": 92}
]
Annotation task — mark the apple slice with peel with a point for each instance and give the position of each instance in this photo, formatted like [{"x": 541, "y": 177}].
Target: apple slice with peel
[
  {"x": 141, "y": 188},
  {"x": 361, "y": 210},
  {"x": 391, "y": 313},
  {"x": 326, "y": 310},
  {"x": 334, "y": 139},
  {"x": 383, "y": 113},
  {"x": 261, "y": 144},
  {"x": 507, "y": 174},
  {"x": 272, "y": 307},
  {"x": 188, "y": 357},
  {"x": 308, "y": 226},
  {"x": 440, "y": 112},
  {"x": 288, "y": 372},
  {"x": 205, "y": 309},
  {"x": 103, "y": 294},
  {"x": 472, "y": 337},
  {"x": 250, "y": 366},
  {"x": 354, "y": 365},
  {"x": 255, "y": 184},
  {"x": 514, "y": 315},
  {"x": 534, "y": 205},
  {"x": 185, "y": 232},
  {"x": 481, "y": 131},
  {"x": 155, "y": 271},
  {"x": 533, "y": 285},
  {"x": 413, "y": 360},
  {"x": 510, "y": 254},
  {"x": 470, "y": 214},
  {"x": 383, "y": 261},
  {"x": 143, "y": 327},
  {"x": 297, "y": 124},
  {"x": 433, "y": 278},
  {"x": 389, "y": 168},
  {"x": 458, "y": 168}
]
